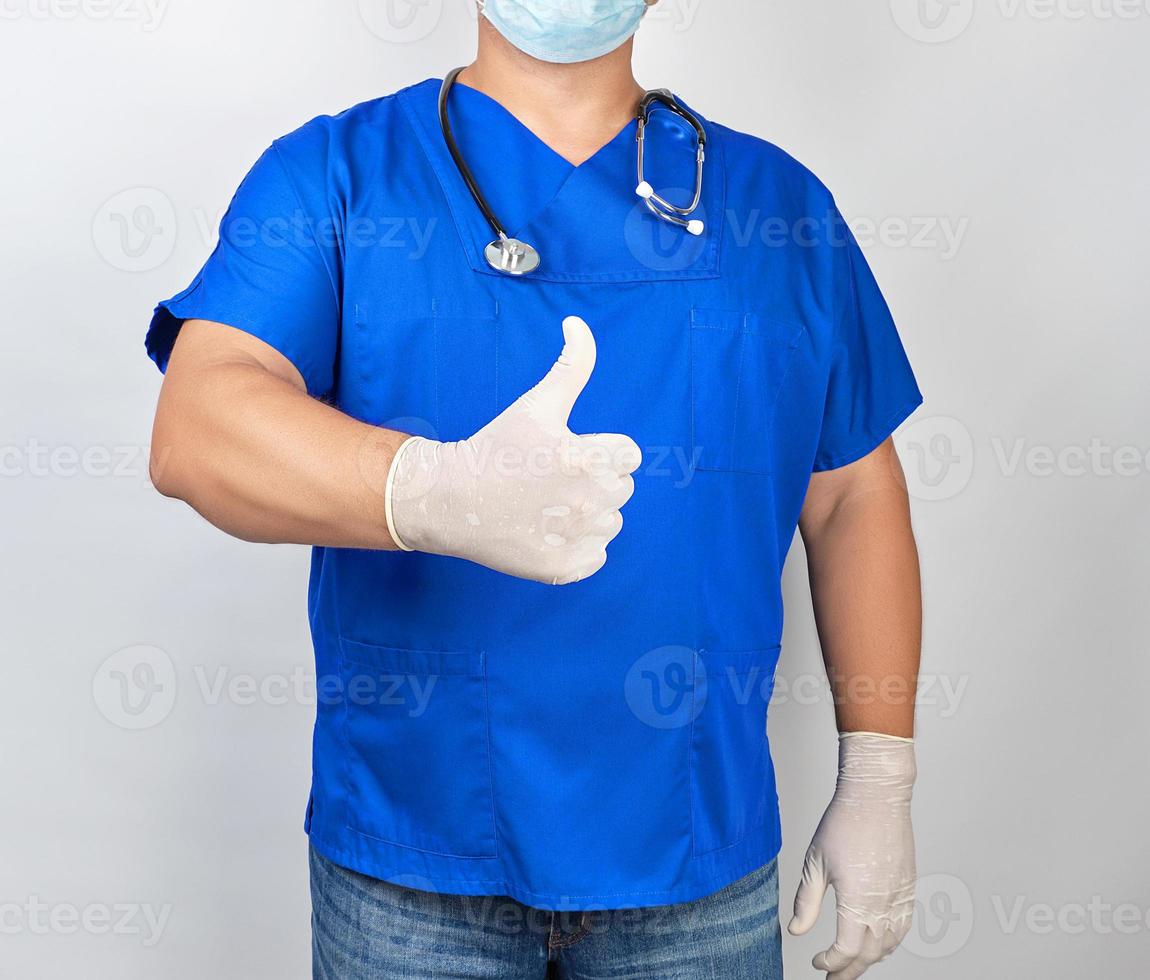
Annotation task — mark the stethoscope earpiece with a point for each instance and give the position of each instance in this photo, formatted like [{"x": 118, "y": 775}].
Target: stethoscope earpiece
[
  {"x": 694, "y": 227},
  {"x": 660, "y": 206}
]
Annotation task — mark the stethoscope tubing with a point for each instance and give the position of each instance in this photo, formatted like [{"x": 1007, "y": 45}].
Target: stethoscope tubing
[
  {"x": 656, "y": 204},
  {"x": 457, "y": 155}
]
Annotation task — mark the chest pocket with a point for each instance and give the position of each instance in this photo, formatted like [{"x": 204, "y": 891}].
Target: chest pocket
[
  {"x": 434, "y": 374},
  {"x": 738, "y": 363}
]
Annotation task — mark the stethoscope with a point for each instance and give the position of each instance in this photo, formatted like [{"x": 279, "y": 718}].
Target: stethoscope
[{"x": 517, "y": 258}]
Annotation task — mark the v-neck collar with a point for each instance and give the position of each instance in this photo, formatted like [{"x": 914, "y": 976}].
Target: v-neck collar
[
  {"x": 586, "y": 219},
  {"x": 499, "y": 109}
]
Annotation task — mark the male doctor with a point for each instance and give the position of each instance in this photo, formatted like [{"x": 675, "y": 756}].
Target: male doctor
[{"x": 541, "y": 748}]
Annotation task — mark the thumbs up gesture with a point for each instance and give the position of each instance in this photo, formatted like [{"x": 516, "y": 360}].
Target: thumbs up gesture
[{"x": 524, "y": 495}]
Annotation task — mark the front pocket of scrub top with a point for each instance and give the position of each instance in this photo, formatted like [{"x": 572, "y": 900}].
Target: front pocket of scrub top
[
  {"x": 732, "y": 779},
  {"x": 738, "y": 363},
  {"x": 419, "y": 761},
  {"x": 433, "y": 375}
]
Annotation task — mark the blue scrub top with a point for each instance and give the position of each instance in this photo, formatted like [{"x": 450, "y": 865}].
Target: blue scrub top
[{"x": 601, "y": 745}]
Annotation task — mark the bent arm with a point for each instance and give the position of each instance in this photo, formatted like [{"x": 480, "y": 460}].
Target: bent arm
[
  {"x": 238, "y": 438},
  {"x": 865, "y": 586}
]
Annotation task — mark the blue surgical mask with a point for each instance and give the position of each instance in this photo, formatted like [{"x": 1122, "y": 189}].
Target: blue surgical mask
[{"x": 565, "y": 31}]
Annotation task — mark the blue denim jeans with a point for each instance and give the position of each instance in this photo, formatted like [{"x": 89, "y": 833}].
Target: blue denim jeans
[{"x": 364, "y": 928}]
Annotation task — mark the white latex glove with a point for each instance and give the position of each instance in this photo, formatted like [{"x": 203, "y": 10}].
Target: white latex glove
[
  {"x": 864, "y": 849},
  {"x": 524, "y": 495}
]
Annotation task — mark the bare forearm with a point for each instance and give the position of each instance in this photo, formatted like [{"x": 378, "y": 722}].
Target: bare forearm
[
  {"x": 260, "y": 459},
  {"x": 865, "y": 586}
]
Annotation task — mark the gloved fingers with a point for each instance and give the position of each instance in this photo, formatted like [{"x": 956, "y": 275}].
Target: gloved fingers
[
  {"x": 607, "y": 526},
  {"x": 550, "y": 402},
  {"x": 868, "y": 956},
  {"x": 809, "y": 897},
  {"x": 848, "y": 945},
  {"x": 623, "y": 492},
  {"x": 583, "y": 569},
  {"x": 597, "y": 560},
  {"x": 594, "y": 520},
  {"x": 893, "y": 937},
  {"x": 612, "y": 493},
  {"x": 610, "y": 452},
  {"x": 593, "y": 527},
  {"x": 615, "y": 489}
]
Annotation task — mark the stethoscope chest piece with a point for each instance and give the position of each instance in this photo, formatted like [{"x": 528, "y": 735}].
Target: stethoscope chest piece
[{"x": 511, "y": 256}]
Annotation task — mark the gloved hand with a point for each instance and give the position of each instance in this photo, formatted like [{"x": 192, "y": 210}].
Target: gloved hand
[
  {"x": 864, "y": 848},
  {"x": 524, "y": 495}
]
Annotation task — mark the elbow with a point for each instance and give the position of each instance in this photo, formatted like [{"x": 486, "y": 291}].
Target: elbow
[
  {"x": 160, "y": 471},
  {"x": 163, "y": 454},
  {"x": 178, "y": 468},
  {"x": 177, "y": 457}
]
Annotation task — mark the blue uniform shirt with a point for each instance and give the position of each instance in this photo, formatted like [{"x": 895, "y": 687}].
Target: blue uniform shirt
[{"x": 602, "y": 744}]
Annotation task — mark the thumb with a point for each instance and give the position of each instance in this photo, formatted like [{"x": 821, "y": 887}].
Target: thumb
[
  {"x": 809, "y": 897},
  {"x": 556, "y": 394}
]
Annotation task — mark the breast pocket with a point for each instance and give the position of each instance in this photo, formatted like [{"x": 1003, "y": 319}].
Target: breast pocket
[
  {"x": 418, "y": 758},
  {"x": 738, "y": 364},
  {"x": 433, "y": 374}
]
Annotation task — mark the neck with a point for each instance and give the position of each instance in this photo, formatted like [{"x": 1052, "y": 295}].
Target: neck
[{"x": 574, "y": 109}]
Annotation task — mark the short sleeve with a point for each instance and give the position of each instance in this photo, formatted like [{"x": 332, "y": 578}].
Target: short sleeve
[
  {"x": 870, "y": 388},
  {"x": 271, "y": 275}
]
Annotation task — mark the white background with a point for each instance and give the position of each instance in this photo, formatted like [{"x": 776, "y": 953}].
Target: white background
[{"x": 1001, "y": 150}]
